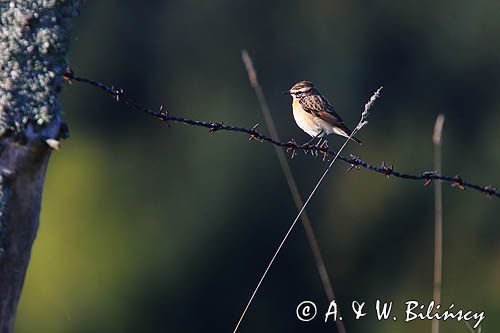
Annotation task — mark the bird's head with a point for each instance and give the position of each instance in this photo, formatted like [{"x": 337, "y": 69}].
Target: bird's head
[{"x": 302, "y": 88}]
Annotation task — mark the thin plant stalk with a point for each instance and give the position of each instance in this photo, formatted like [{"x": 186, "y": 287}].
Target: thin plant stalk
[
  {"x": 363, "y": 121},
  {"x": 438, "y": 218},
  {"x": 292, "y": 185},
  {"x": 472, "y": 329}
]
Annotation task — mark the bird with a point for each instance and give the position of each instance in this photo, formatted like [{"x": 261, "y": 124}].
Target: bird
[{"x": 314, "y": 114}]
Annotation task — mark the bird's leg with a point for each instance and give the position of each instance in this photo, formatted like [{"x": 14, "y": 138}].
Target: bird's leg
[
  {"x": 309, "y": 142},
  {"x": 319, "y": 144},
  {"x": 315, "y": 151},
  {"x": 312, "y": 139}
]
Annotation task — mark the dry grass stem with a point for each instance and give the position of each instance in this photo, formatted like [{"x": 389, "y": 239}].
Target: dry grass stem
[
  {"x": 292, "y": 185},
  {"x": 280, "y": 246},
  {"x": 438, "y": 218}
]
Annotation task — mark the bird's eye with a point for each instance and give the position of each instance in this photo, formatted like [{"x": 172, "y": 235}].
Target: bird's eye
[{"x": 297, "y": 94}]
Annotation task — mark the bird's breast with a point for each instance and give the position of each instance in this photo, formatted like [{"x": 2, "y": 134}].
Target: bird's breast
[{"x": 304, "y": 119}]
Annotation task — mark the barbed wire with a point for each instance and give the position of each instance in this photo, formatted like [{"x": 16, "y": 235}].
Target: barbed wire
[{"x": 119, "y": 95}]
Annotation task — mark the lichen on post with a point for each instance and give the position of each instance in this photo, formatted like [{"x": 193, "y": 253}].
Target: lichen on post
[{"x": 34, "y": 39}]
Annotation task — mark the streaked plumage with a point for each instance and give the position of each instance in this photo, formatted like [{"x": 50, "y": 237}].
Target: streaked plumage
[{"x": 314, "y": 114}]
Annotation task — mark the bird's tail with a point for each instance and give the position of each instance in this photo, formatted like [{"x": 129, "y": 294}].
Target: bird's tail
[
  {"x": 346, "y": 132},
  {"x": 355, "y": 139}
]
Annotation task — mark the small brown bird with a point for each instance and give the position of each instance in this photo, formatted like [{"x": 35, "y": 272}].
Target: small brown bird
[{"x": 314, "y": 114}]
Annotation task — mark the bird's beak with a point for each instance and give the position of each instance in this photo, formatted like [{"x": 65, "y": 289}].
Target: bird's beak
[{"x": 286, "y": 92}]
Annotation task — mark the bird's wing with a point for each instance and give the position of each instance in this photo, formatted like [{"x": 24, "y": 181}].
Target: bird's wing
[{"x": 321, "y": 108}]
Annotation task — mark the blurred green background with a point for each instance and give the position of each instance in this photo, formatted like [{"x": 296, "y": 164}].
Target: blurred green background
[{"x": 150, "y": 229}]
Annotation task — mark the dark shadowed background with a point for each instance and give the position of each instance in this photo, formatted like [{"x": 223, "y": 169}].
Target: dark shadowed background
[{"x": 150, "y": 229}]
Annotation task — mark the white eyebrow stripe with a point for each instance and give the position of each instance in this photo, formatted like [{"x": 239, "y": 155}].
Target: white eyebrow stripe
[{"x": 301, "y": 90}]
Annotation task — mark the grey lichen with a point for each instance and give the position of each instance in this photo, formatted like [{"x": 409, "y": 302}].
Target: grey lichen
[{"x": 34, "y": 37}]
